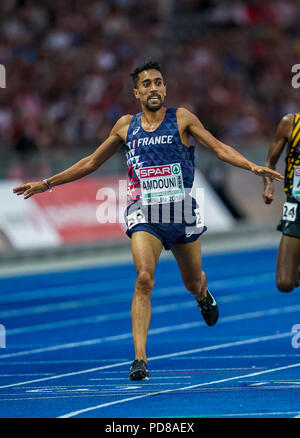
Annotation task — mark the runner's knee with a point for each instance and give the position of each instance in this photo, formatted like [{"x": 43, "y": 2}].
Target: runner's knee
[
  {"x": 196, "y": 285},
  {"x": 144, "y": 282},
  {"x": 193, "y": 286}
]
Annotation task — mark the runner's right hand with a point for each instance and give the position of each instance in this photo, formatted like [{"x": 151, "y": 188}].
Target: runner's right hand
[{"x": 30, "y": 188}]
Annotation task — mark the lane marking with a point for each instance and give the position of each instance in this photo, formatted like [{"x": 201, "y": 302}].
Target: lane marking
[
  {"x": 103, "y": 405},
  {"x": 238, "y": 356},
  {"x": 28, "y": 374},
  {"x": 202, "y": 357},
  {"x": 255, "y": 414},
  {"x": 96, "y": 319},
  {"x": 163, "y": 356},
  {"x": 112, "y": 285},
  {"x": 116, "y": 316},
  {"x": 160, "y": 330},
  {"x": 121, "y": 298}
]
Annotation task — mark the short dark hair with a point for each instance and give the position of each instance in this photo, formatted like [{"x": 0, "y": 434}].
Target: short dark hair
[{"x": 146, "y": 66}]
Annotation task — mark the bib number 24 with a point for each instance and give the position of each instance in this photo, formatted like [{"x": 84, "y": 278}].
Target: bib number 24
[{"x": 289, "y": 211}]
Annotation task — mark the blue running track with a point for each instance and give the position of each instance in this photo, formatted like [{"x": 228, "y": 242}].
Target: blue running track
[{"x": 69, "y": 346}]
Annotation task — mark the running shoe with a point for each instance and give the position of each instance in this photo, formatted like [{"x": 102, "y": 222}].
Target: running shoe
[
  {"x": 209, "y": 309},
  {"x": 139, "y": 370}
]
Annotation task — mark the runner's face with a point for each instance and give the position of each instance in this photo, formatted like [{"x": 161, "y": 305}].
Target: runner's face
[{"x": 151, "y": 90}]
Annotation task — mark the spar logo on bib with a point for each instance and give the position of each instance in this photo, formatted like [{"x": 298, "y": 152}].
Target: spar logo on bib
[{"x": 155, "y": 171}]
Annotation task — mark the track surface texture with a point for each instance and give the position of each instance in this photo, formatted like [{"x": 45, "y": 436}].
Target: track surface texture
[{"x": 69, "y": 345}]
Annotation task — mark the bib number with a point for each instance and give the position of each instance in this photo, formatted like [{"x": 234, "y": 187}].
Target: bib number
[
  {"x": 137, "y": 217},
  {"x": 289, "y": 211},
  {"x": 199, "y": 219}
]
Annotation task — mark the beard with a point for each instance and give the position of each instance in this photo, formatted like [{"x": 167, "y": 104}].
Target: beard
[{"x": 154, "y": 106}]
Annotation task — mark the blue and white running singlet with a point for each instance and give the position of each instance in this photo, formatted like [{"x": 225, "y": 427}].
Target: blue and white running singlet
[
  {"x": 162, "y": 147},
  {"x": 161, "y": 174}
]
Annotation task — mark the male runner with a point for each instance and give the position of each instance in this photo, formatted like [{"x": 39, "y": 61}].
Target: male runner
[
  {"x": 288, "y": 257},
  {"x": 160, "y": 168}
]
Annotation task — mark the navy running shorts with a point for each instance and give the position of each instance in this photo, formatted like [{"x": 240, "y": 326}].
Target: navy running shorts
[{"x": 168, "y": 232}]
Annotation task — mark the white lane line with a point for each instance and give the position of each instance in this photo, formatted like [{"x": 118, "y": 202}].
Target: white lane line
[
  {"x": 163, "y": 356},
  {"x": 159, "y": 330},
  {"x": 126, "y": 314},
  {"x": 103, "y": 405},
  {"x": 121, "y": 298},
  {"x": 86, "y": 343},
  {"x": 113, "y": 285},
  {"x": 202, "y": 357},
  {"x": 87, "y": 302},
  {"x": 267, "y": 414},
  {"x": 55, "y": 307},
  {"x": 66, "y": 290},
  {"x": 28, "y": 374},
  {"x": 238, "y": 356},
  {"x": 97, "y": 318}
]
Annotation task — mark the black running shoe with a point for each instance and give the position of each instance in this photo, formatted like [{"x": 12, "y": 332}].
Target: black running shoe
[
  {"x": 209, "y": 309},
  {"x": 139, "y": 370}
]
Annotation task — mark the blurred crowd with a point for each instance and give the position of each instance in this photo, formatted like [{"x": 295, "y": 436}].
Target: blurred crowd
[{"x": 68, "y": 63}]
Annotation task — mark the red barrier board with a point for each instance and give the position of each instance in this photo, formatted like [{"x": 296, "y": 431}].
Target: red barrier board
[{"x": 73, "y": 209}]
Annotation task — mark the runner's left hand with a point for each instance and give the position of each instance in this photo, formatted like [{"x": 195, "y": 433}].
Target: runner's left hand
[{"x": 265, "y": 171}]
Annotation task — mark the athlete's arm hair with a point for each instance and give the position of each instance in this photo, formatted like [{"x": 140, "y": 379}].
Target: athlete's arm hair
[
  {"x": 83, "y": 167},
  {"x": 282, "y": 136},
  {"x": 221, "y": 150}
]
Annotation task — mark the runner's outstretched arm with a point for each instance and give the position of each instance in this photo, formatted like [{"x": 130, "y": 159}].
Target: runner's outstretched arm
[
  {"x": 282, "y": 136},
  {"x": 83, "y": 167},
  {"x": 222, "y": 151}
]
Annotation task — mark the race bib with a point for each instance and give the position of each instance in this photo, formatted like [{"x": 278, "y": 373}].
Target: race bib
[
  {"x": 199, "y": 219},
  {"x": 296, "y": 183},
  {"x": 137, "y": 217},
  {"x": 289, "y": 211},
  {"x": 161, "y": 184}
]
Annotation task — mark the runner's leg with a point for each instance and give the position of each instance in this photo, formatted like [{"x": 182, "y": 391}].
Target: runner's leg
[
  {"x": 188, "y": 257},
  {"x": 146, "y": 250},
  {"x": 288, "y": 260}
]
